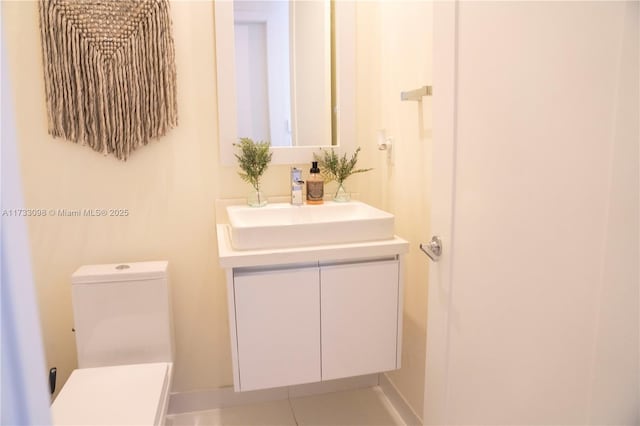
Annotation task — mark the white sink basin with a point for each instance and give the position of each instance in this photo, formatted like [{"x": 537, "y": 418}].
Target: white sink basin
[{"x": 283, "y": 225}]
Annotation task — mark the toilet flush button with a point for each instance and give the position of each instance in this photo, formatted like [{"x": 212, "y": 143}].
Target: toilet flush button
[{"x": 122, "y": 267}]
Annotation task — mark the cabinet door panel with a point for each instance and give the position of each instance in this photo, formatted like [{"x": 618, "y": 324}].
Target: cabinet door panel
[
  {"x": 278, "y": 327},
  {"x": 359, "y": 305}
]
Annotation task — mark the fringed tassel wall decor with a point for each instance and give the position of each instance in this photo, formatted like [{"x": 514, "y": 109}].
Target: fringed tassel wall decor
[{"x": 109, "y": 70}]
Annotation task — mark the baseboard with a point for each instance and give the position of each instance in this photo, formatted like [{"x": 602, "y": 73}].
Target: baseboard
[
  {"x": 337, "y": 385},
  {"x": 210, "y": 399},
  {"x": 396, "y": 399}
]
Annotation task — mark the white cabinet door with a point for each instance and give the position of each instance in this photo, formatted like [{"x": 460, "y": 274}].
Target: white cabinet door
[
  {"x": 278, "y": 327},
  {"x": 359, "y": 305}
]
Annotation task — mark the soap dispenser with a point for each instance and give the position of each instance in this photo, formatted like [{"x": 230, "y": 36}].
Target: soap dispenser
[{"x": 315, "y": 185}]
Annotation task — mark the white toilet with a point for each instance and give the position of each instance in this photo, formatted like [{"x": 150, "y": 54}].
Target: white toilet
[{"x": 124, "y": 339}]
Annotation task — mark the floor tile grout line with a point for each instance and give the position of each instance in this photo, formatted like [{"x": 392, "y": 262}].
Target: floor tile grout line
[{"x": 293, "y": 412}]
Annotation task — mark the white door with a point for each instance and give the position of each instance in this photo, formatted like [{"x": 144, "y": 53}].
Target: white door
[{"x": 533, "y": 305}]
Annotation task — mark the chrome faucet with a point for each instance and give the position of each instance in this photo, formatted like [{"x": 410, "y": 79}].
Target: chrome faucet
[{"x": 296, "y": 187}]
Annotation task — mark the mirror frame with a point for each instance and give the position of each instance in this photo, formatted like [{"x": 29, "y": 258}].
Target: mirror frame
[{"x": 345, "y": 68}]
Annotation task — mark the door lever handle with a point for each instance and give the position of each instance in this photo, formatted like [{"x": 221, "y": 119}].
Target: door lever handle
[{"x": 433, "y": 248}]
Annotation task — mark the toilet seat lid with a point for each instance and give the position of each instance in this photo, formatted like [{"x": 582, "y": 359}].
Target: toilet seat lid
[{"x": 118, "y": 395}]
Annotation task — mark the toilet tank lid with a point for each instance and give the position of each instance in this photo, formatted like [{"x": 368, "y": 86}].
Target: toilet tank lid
[{"x": 113, "y": 272}]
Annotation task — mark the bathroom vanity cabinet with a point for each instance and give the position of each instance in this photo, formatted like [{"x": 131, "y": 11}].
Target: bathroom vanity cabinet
[{"x": 314, "y": 313}]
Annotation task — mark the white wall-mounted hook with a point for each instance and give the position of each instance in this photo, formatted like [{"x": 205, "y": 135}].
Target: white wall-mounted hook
[{"x": 384, "y": 142}]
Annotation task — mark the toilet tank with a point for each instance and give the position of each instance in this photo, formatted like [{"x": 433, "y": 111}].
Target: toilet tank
[{"x": 122, "y": 314}]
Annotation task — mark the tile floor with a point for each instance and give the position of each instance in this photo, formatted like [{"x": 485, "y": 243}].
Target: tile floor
[{"x": 361, "y": 407}]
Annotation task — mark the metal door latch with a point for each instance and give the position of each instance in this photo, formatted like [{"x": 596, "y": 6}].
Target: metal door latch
[{"x": 433, "y": 248}]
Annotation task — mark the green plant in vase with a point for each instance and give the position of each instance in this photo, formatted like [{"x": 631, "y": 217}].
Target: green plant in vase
[
  {"x": 253, "y": 160},
  {"x": 333, "y": 167}
]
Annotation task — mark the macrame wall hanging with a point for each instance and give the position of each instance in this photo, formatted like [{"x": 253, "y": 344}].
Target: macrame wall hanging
[{"x": 109, "y": 71}]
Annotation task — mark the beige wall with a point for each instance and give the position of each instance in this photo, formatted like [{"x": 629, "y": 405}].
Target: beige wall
[
  {"x": 394, "y": 55},
  {"x": 170, "y": 186}
]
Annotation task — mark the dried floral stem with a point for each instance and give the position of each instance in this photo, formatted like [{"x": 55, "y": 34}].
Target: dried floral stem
[
  {"x": 253, "y": 160},
  {"x": 333, "y": 167}
]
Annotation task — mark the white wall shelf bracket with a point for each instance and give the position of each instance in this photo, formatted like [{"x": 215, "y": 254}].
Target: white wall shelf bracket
[{"x": 417, "y": 94}]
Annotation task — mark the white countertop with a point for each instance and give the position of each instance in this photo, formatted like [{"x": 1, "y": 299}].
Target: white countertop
[{"x": 230, "y": 258}]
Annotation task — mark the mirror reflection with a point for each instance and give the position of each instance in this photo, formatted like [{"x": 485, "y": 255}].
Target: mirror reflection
[{"x": 283, "y": 63}]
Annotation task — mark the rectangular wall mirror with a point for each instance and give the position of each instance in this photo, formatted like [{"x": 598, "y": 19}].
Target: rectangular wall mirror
[{"x": 286, "y": 74}]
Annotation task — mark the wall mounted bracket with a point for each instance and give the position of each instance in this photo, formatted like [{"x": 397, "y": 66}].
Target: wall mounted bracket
[{"x": 417, "y": 94}]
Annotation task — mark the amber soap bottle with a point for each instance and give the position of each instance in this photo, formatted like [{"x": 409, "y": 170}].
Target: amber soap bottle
[{"x": 315, "y": 185}]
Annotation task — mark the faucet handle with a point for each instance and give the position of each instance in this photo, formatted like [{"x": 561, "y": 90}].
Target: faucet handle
[
  {"x": 296, "y": 176},
  {"x": 296, "y": 186}
]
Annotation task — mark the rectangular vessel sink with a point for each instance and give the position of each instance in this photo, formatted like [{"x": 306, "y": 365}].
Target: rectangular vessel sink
[{"x": 284, "y": 225}]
